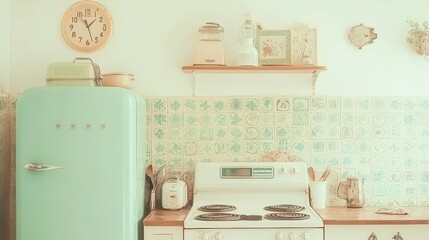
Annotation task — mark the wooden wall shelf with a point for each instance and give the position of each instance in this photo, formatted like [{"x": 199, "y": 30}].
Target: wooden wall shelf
[
  {"x": 312, "y": 69},
  {"x": 244, "y": 69}
]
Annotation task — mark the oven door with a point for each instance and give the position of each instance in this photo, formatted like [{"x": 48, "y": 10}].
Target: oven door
[{"x": 254, "y": 234}]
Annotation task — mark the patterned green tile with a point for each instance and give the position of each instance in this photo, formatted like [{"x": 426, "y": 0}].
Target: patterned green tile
[
  {"x": 378, "y": 104},
  {"x": 190, "y": 119},
  {"x": 175, "y": 133},
  {"x": 206, "y": 119},
  {"x": 266, "y": 104},
  {"x": 221, "y": 119},
  {"x": 251, "y": 104},
  {"x": 236, "y": 119},
  {"x": 191, "y": 148},
  {"x": 206, "y": 134},
  {"x": 236, "y": 104},
  {"x": 363, "y": 104},
  {"x": 318, "y": 118},
  {"x": 176, "y": 119},
  {"x": 252, "y": 119},
  {"x": 221, "y": 133},
  {"x": 318, "y": 104},
  {"x": 175, "y": 104},
  {"x": 190, "y": 104},
  {"x": 333, "y": 104},
  {"x": 159, "y": 105},
  {"x": 410, "y": 104},
  {"x": 221, "y": 104},
  {"x": 205, "y": 104},
  {"x": 423, "y": 104},
  {"x": 394, "y": 104},
  {"x": 159, "y": 133},
  {"x": 348, "y": 104},
  {"x": 301, "y": 104},
  {"x": 284, "y": 104},
  {"x": 252, "y": 147}
]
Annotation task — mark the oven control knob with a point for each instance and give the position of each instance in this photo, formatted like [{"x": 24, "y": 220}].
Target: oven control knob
[
  {"x": 292, "y": 236},
  {"x": 218, "y": 236},
  {"x": 294, "y": 170},
  {"x": 279, "y": 236},
  {"x": 205, "y": 236}
]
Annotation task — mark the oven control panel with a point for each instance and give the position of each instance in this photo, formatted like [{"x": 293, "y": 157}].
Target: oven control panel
[
  {"x": 246, "y": 172},
  {"x": 255, "y": 175},
  {"x": 266, "y": 234}
]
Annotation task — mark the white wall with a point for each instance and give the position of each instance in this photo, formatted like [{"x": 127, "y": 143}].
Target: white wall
[{"x": 154, "y": 38}]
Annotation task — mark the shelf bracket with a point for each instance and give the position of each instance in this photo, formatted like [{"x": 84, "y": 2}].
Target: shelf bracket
[
  {"x": 315, "y": 75},
  {"x": 193, "y": 83}
]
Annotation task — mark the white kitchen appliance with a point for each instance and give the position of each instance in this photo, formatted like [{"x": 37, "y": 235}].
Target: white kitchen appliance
[
  {"x": 79, "y": 164},
  {"x": 209, "y": 48},
  {"x": 252, "y": 201},
  {"x": 174, "y": 194}
]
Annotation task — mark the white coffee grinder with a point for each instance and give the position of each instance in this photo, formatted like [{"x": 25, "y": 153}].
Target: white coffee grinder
[
  {"x": 247, "y": 54},
  {"x": 209, "y": 49}
]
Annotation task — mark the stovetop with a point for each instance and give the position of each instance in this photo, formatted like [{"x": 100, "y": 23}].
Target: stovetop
[
  {"x": 255, "y": 194},
  {"x": 246, "y": 211}
]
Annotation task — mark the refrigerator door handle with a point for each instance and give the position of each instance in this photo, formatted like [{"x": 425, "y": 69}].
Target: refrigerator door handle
[{"x": 40, "y": 167}]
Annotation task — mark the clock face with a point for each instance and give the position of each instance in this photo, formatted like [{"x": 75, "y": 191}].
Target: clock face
[{"x": 87, "y": 26}]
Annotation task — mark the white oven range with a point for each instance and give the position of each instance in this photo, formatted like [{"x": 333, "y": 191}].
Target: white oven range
[{"x": 252, "y": 201}]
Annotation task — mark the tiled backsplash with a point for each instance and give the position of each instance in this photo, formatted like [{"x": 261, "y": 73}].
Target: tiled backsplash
[{"x": 384, "y": 140}]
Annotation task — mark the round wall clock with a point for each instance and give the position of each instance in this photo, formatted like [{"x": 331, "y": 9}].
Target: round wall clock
[{"x": 87, "y": 26}]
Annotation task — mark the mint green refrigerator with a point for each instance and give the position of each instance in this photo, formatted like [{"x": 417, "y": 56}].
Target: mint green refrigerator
[{"x": 79, "y": 164}]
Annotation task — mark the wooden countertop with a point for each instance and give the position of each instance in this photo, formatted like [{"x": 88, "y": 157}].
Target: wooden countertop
[
  {"x": 367, "y": 215},
  {"x": 330, "y": 216},
  {"x": 161, "y": 217}
]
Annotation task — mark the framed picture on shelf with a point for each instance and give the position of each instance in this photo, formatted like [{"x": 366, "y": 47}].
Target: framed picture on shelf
[
  {"x": 304, "y": 45},
  {"x": 274, "y": 47}
]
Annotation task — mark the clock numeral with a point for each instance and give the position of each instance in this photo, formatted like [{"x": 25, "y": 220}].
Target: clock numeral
[
  {"x": 87, "y": 43},
  {"x": 104, "y": 27},
  {"x": 71, "y": 27},
  {"x": 74, "y": 19},
  {"x": 88, "y": 12},
  {"x": 73, "y": 34},
  {"x": 79, "y": 14},
  {"x": 101, "y": 18},
  {"x": 80, "y": 39},
  {"x": 101, "y": 34},
  {"x": 96, "y": 39}
]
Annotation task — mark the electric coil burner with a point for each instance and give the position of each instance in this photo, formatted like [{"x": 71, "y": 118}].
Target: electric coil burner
[
  {"x": 286, "y": 216},
  {"x": 252, "y": 201},
  {"x": 227, "y": 217},
  {"x": 284, "y": 208},
  {"x": 217, "y": 208}
]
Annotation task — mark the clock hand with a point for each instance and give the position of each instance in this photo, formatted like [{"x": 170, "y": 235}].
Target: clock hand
[
  {"x": 90, "y": 35},
  {"x": 89, "y": 25},
  {"x": 84, "y": 21}
]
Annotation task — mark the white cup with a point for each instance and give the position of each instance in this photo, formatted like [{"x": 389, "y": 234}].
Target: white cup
[{"x": 318, "y": 194}]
